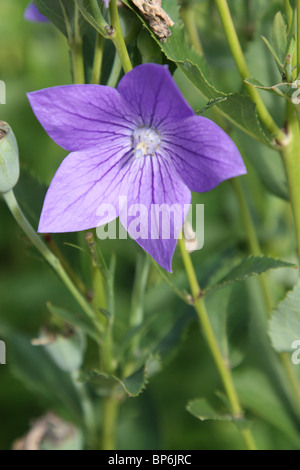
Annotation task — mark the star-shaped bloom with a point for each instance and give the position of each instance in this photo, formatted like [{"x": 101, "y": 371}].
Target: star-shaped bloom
[
  {"x": 141, "y": 143},
  {"x": 32, "y": 14}
]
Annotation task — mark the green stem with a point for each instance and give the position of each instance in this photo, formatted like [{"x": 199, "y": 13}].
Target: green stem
[
  {"x": 291, "y": 160},
  {"x": 241, "y": 64},
  {"x": 98, "y": 57},
  {"x": 221, "y": 362},
  {"x": 117, "y": 36},
  {"x": 20, "y": 218},
  {"x": 75, "y": 44},
  {"x": 110, "y": 414},
  {"x": 115, "y": 72}
]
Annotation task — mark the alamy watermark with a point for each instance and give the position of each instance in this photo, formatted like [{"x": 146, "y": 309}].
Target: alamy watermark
[
  {"x": 157, "y": 221},
  {"x": 296, "y": 95},
  {"x": 2, "y": 352},
  {"x": 2, "y": 92},
  {"x": 296, "y": 353}
]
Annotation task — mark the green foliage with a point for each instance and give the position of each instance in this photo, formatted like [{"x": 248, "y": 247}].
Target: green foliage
[
  {"x": 202, "y": 410},
  {"x": 285, "y": 322},
  {"x": 251, "y": 266},
  {"x": 62, "y": 14}
]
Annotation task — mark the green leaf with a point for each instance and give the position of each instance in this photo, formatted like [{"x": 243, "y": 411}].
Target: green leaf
[
  {"x": 258, "y": 395},
  {"x": 67, "y": 352},
  {"x": 202, "y": 410},
  {"x": 135, "y": 383},
  {"x": 87, "y": 12},
  {"x": 80, "y": 321},
  {"x": 35, "y": 368},
  {"x": 285, "y": 90},
  {"x": 285, "y": 322},
  {"x": 211, "y": 103},
  {"x": 251, "y": 266},
  {"x": 279, "y": 37},
  {"x": 105, "y": 384},
  {"x": 273, "y": 52},
  {"x": 61, "y": 13}
]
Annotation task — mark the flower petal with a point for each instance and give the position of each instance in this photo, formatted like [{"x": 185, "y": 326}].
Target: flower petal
[
  {"x": 202, "y": 152},
  {"x": 154, "y": 95},
  {"x": 84, "y": 192},
  {"x": 32, "y": 14},
  {"x": 82, "y": 116},
  {"x": 154, "y": 192}
]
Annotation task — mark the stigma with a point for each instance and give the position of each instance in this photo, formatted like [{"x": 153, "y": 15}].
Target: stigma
[{"x": 145, "y": 141}]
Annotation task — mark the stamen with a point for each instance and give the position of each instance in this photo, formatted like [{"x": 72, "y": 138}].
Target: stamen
[{"x": 145, "y": 141}]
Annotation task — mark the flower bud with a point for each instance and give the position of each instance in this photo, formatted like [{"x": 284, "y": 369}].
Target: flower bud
[{"x": 9, "y": 158}]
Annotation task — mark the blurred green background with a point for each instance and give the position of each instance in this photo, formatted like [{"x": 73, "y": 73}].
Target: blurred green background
[{"x": 35, "y": 56}]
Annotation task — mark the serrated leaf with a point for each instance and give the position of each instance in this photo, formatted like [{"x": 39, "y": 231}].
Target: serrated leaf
[
  {"x": 251, "y": 266},
  {"x": 202, "y": 410},
  {"x": 105, "y": 384},
  {"x": 211, "y": 103},
  {"x": 135, "y": 383},
  {"x": 285, "y": 322}
]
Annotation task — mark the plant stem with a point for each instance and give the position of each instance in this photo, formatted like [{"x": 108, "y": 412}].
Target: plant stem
[
  {"x": 291, "y": 159},
  {"x": 20, "y": 218},
  {"x": 117, "y": 36},
  {"x": 98, "y": 56},
  {"x": 221, "y": 363},
  {"x": 115, "y": 72},
  {"x": 75, "y": 44},
  {"x": 241, "y": 64},
  {"x": 110, "y": 413}
]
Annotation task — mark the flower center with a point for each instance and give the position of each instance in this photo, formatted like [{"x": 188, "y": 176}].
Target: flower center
[{"x": 145, "y": 141}]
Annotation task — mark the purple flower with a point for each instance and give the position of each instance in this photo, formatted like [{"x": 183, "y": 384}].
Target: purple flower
[
  {"x": 106, "y": 3},
  {"x": 32, "y": 14},
  {"x": 141, "y": 143}
]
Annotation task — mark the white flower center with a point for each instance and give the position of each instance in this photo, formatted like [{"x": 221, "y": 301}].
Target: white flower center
[{"x": 145, "y": 141}]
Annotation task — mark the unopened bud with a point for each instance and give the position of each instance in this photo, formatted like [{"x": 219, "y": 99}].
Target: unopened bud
[{"x": 9, "y": 158}]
